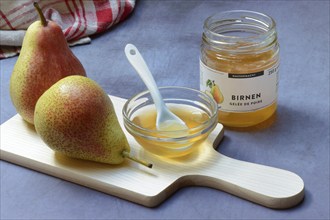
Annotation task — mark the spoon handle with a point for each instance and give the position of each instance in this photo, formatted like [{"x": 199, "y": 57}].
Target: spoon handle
[{"x": 134, "y": 57}]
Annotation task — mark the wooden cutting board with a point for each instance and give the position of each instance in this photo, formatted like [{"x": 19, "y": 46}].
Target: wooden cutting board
[{"x": 267, "y": 186}]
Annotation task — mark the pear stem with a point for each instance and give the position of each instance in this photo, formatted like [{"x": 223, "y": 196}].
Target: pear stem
[
  {"x": 128, "y": 156},
  {"x": 41, "y": 15}
]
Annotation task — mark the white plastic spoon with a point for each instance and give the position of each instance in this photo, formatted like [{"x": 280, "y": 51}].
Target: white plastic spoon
[{"x": 166, "y": 120}]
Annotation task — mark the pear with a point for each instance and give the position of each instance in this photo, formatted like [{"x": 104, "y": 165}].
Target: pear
[
  {"x": 217, "y": 95},
  {"x": 44, "y": 59},
  {"x": 75, "y": 117}
]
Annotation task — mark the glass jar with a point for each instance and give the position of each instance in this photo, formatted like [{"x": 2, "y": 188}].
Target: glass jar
[{"x": 239, "y": 65}]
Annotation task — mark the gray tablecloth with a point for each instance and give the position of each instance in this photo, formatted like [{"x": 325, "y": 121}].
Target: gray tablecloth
[{"x": 168, "y": 34}]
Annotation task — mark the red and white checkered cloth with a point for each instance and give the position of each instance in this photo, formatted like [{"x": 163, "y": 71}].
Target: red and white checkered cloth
[{"x": 78, "y": 19}]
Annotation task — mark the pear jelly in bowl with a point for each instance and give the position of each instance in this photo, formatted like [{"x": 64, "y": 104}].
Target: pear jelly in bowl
[{"x": 198, "y": 110}]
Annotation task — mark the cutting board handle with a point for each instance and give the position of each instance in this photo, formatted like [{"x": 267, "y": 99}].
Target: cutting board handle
[{"x": 267, "y": 186}]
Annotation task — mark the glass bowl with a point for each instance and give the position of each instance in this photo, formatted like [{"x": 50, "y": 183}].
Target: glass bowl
[{"x": 197, "y": 109}]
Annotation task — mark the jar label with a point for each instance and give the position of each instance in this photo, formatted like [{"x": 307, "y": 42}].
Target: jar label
[{"x": 240, "y": 92}]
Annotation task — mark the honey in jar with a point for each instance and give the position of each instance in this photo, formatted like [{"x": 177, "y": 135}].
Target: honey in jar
[{"x": 239, "y": 66}]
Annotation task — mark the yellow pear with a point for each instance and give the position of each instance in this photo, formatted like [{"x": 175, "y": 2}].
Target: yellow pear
[
  {"x": 217, "y": 95},
  {"x": 44, "y": 59},
  {"x": 75, "y": 117}
]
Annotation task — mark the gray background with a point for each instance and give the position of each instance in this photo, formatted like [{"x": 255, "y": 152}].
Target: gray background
[{"x": 168, "y": 34}]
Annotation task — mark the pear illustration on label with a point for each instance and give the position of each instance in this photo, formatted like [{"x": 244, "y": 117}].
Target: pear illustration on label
[{"x": 215, "y": 91}]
